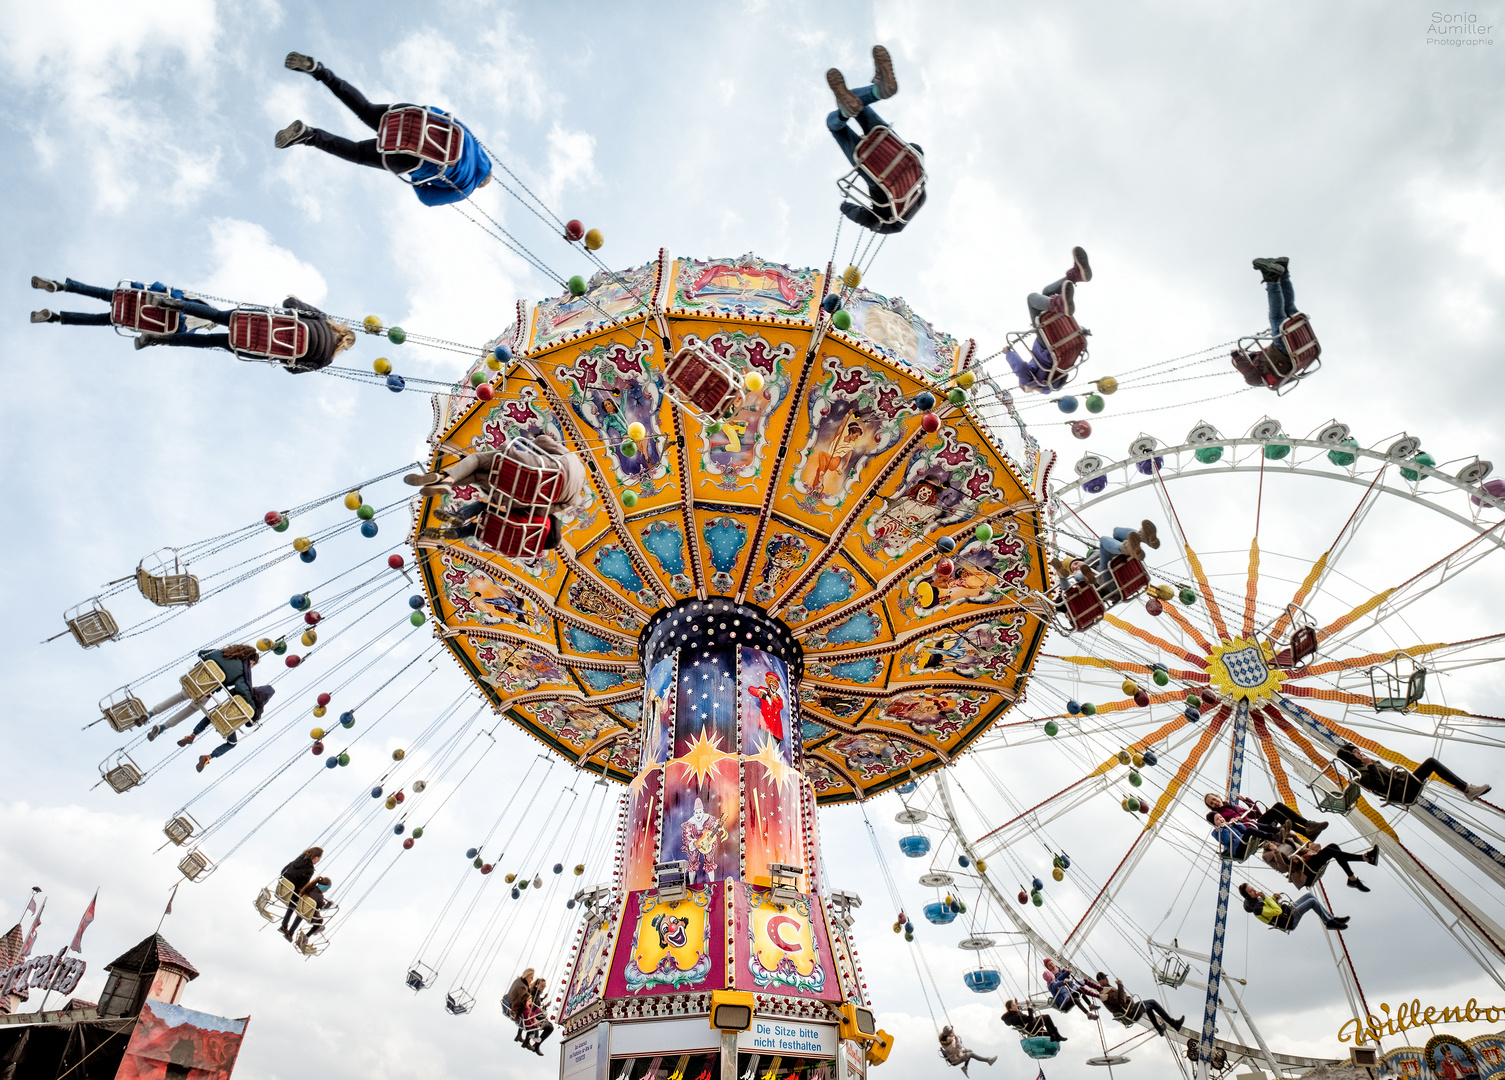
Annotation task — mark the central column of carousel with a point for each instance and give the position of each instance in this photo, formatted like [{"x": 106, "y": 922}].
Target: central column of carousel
[{"x": 716, "y": 955}]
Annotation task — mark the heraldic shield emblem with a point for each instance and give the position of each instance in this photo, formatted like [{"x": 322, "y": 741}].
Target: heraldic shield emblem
[{"x": 1246, "y": 667}]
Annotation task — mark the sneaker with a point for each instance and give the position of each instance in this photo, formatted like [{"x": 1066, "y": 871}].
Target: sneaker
[
  {"x": 296, "y": 61},
  {"x": 1132, "y": 548},
  {"x": 151, "y": 736},
  {"x": 884, "y": 82},
  {"x": 294, "y": 133},
  {"x": 1081, "y": 269},
  {"x": 1316, "y": 830},
  {"x": 1067, "y": 296},
  {"x": 1147, "y": 533},
  {"x": 420, "y": 479},
  {"x": 846, "y": 101},
  {"x": 45, "y": 316},
  {"x": 435, "y": 490},
  {"x": 146, "y": 341},
  {"x": 1271, "y": 269},
  {"x": 186, "y": 740},
  {"x": 1372, "y": 856},
  {"x": 1355, "y": 883},
  {"x": 1339, "y": 923},
  {"x": 46, "y": 284},
  {"x": 1475, "y": 791},
  {"x": 203, "y": 760}
]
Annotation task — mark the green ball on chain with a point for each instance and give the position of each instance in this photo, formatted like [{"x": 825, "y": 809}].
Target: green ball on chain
[
  {"x": 1161, "y": 677},
  {"x": 366, "y": 512},
  {"x": 1088, "y": 708},
  {"x": 629, "y": 448},
  {"x": 397, "y": 335},
  {"x": 418, "y": 618},
  {"x": 477, "y": 378},
  {"x": 1095, "y": 403},
  {"x": 629, "y": 499},
  {"x": 842, "y": 320},
  {"x": 956, "y": 395},
  {"x": 1188, "y": 598},
  {"x": 1052, "y": 728},
  {"x": 983, "y": 532},
  {"x": 577, "y": 286}
]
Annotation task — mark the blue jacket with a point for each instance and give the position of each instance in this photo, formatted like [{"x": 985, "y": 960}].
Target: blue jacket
[{"x": 463, "y": 177}]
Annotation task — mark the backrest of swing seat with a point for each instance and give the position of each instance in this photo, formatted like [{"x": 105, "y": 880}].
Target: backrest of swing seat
[
  {"x": 1303, "y": 644},
  {"x": 516, "y": 479},
  {"x": 1300, "y": 341},
  {"x": 166, "y": 590},
  {"x": 1084, "y": 607},
  {"x": 1062, "y": 337},
  {"x": 285, "y": 890},
  {"x": 893, "y": 165},
  {"x": 1129, "y": 575},
  {"x": 123, "y": 777},
  {"x": 263, "y": 903},
  {"x": 289, "y": 338},
  {"x": 1416, "y": 687},
  {"x": 231, "y": 714},
  {"x": 703, "y": 380},
  {"x": 514, "y": 537},
  {"x": 91, "y": 628},
  {"x": 423, "y": 134},
  {"x": 129, "y": 309},
  {"x": 203, "y": 678},
  {"x": 306, "y": 907},
  {"x": 124, "y": 715}
]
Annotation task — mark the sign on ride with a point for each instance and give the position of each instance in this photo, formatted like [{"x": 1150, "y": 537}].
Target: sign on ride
[{"x": 46, "y": 972}]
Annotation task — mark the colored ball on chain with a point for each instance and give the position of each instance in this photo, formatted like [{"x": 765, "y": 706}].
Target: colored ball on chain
[
  {"x": 299, "y": 601},
  {"x": 407, "y": 844},
  {"x": 264, "y": 644},
  {"x": 309, "y": 637},
  {"x": 279, "y": 647},
  {"x": 1088, "y": 708},
  {"x": 376, "y": 792},
  {"x": 366, "y": 512},
  {"x": 397, "y": 335},
  {"x": 1073, "y": 706},
  {"x": 329, "y": 763},
  {"x": 945, "y": 544},
  {"x": 369, "y": 529},
  {"x": 1036, "y": 885},
  {"x": 635, "y": 430},
  {"x": 391, "y": 803},
  {"x": 418, "y": 833},
  {"x": 574, "y": 229},
  {"x": 851, "y": 277},
  {"x": 753, "y": 381},
  {"x": 501, "y": 353},
  {"x": 930, "y": 423},
  {"x": 1160, "y": 677},
  {"x": 908, "y": 927},
  {"x": 382, "y": 366},
  {"x": 1130, "y": 687},
  {"x": 956, "y": 395},
  {"x": 1132, "y": 805},
  {"x": 313, "y": 618},
  {"x": 396, "y": 383},
  {"x": 983, "y": 532},
  {"x": 347, "y": 719},
  {"x": 1192, "y": 697},
  {"x": 924, "y": 401},
  {"x": 416, "y": 602},
  {"x": 1095, "y": 403},
  {"x": 417, "y": 618},
  {"x": 1107, "y": 385},
  {"x": 576, "y": 285},
  {"x": 399, "y": 796},
  {"x": 1067, "y": 404},
  {"x": 316, "y": 734},
  {"x": 319, "y": 710},
  {"x": 1135, "y": 778},
  {"x": 1052, "y": 728},
  {"x": 559, "y": 868},
  {"x": 395, "y": 561},
  {"x": 302, "y": 543},
  {"x": 629, "y": 448},
  {"x": 1188, "y": 598},
  {"x": 1192, "y": 714},
  {"x": 1023, "y": 897},
  {"x": 1209, "y": 695},
  {"x": 1144, "y": 807},
  {"x": 371, "y": 324},
  {"x": 1058, "y": 874},
  {"x": 966, "y": 380},
  {"x": 344, "y": 759},
  {"x": 1056, "y": 861},
  {"x": 831, "y": 303},
  {"x": 945, "y": 567},
  {"x": 1141, "y": 698},
  {"x": 309, "y": 556},
  {"x": 353, "y": 501},
  {"x": 272, "y": 517},
  {"x": 516, "y": 892},
  {"x": 477, "y": 378},
  {"x": 1150, "y": 758},
  {"x": 982, "y": 866},
  {"x": 317, "y": 748},
  {"x": 842, "y": 320},
  {"x": 471, "y": 853},
  {"x": 323, "y": 699},
  {"x": 1080, "y": 429},
  {"x": 1154, "y": 607},
  {"x": 293, "y": 660},
  {"x": 1138, "y": 760},
  {"x": 1037, "y": 899},
  {"x": 629, "y": 499},
  {"x": 594, "y": 239},
  {"x": 281, "y": 526},
  {"x": 963, "y": 861}
]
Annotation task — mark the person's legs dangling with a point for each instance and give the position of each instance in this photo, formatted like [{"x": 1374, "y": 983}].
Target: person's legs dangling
[
  {"x": 351, "y": 98},
  {"x": 69, "y": 285}
]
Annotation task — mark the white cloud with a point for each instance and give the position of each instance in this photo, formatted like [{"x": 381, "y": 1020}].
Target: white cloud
[{"x": 250, "y": 267}]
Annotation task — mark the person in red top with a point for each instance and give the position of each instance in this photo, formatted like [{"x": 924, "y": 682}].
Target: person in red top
[{"x": 770, "y": 704}]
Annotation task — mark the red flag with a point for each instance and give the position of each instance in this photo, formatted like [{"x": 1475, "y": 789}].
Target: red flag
[
  {"x": 170, "y": 899},
  {"x": 32, "y": 936},
  {"x": 83, "y": 924},
  {"x": 30, "y": 907}
]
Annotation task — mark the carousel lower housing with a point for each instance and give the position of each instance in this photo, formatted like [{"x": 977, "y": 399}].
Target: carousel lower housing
[{"x": 715, "y": 954}]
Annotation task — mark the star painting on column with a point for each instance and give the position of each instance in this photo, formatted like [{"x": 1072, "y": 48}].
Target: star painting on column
[
  {"x": 701, "y": 821},
  {"x": 770, "y": 779}
]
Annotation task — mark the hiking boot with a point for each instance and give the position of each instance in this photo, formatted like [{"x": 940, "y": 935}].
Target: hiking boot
[
  {"x": 186, "y": 740},
  {"x": 1317, "y": 829},
  {"x": 428, "y": 532},
  {"x": 1081, "y": 269},
  {"x": 146, "y": 341},
  {"x": 1132, "y": 548},
  {"x": 46, "y": 284},
  {"x": 151, "y": 736},
  {"x": 296, "y": 61},
  {"x": 846, "y": 101},
  {"x": 885, "y": 85},
  {"x": 45, "y": 316},
  {"x": 1147, "y": 533},
  {"x": 1475, "y": 792},
  {"x": 294, "y": 133},
  {"x": 1372, "y": 856},
  {"x": 1271, "y": 269},
  {"x": 444, "y": 514},
  {"x": 204, "y": 760},
  {"x": 420, "y": 479},
  {"x": 1355, "y": 883}
]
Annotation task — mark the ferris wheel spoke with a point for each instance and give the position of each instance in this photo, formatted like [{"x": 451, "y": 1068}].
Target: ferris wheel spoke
[
  {"x": 1272, "y": 758},
  {"x": 1186, "y": 627},
  {"x": 1152, "y": 639},
  {"x": 1330, "y": 731},
  {"x": 1251, "y": 592},
  {"x": 1368, "y": 660}
]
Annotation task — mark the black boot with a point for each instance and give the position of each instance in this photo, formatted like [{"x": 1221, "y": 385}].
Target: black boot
[{"x": 1271, "y": 269}]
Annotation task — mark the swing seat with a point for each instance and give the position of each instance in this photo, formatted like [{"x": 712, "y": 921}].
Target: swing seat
[
  {"x": 90, "y": 624},
  {"x": 307, "y": 946},
  {"x": 414, "y": 131},
  {"x": 180, "y": 828},
  {"x": 459, "y": 1003},
  {"x": 1237, "y": 850},
  {"x": 1083, "y": 607},
  {"x": 231, "y": 714},
  {"x": 131, "y": 309},
  {"x": 203, "y": 679},
  {"x": 703, "y": 383},
  {"x": 195, "y": 865},
  {"x": 123, "y": 710},
  {"x": 122, "y": 776},
  {"x": 523, "y": 476},
  {"x": 305, "y": 907},
  {"x": 520, "y": 537},
  {"x": 263, "y": 905},
  {"x": 891, "y": 165},
  {"x": 1302, "y": 648},
  {"x": 1040, "y": 1047},
  {"x": 1063, "y": 338},
  {"x": 1340, "y": 802},
  {"x": 266, "y": 334},
  {"x": 416, "y": 981},
  {"x": 1125, "y": 579},
  {"x": 1301, "y": 344}
]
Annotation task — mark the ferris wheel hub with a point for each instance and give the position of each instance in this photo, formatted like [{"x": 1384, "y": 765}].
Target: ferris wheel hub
[{"x": 1238, "y": 668}]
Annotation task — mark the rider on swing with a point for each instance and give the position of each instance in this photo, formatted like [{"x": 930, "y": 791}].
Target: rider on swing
[{"x": 858, "y": 105}]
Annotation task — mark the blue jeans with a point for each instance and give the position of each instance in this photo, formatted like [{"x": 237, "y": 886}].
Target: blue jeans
[
  {"x": 1282, "y": 300},
  {"x": 1109, "y": 546},
  {"x": 842, "y": 131},
  {"x": 223, "y": 748},
  {"x": 1308, "y": 902}
]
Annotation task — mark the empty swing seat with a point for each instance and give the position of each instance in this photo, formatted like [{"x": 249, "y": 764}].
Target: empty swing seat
[
  {"x": 91, "y": 624},
  {"x": 131, "y": 309},
  {"x": 704, "y": 383},
  {"x": 514, "y": 537},
  {"x": 1340, "y": 802},
  {"x": 180, "y": 828},
  {"x": 890, "y": 164},
  {"x": 982, "y": 981},
  {"x": 415, "y": 131},
  {"x": 1302, "y": 648},
  {"x": 195, "y": 865},
  {"x": 264, "y": 334},
  {"x": 263, "y": 905},
  {"x": 122, "y": 776}
]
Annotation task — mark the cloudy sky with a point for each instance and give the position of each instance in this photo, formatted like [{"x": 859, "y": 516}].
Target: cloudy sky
[{"x": 1174, "y": 141}]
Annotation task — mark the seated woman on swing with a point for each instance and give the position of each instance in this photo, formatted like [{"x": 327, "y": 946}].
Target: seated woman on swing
[
  {"x": 1067, "y": 990},
  {"x": 1274, "y": 823},
  {"x": 1302, "y": 864},
  {"x": 1283, "y": 914},
  {"x": 957, "y": 1054},
  {"x": 1028, "y": 1023},
  {"x": 1395, "y": 784},
  {"x": 1126, "y": 1009}
]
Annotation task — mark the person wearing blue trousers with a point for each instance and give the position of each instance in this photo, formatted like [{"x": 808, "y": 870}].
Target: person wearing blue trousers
[
  {"x": 1279, "y": 293},
  {"x": 858, "y": 105},
  {"x": 1130, "y": 542}
]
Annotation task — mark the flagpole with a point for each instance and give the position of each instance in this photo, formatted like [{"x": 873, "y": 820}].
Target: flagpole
[
  {"x": 168, "y": 910},
  {"x": 31, "y": 905}
]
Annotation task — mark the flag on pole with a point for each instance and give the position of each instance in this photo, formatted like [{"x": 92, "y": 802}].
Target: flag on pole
[
  {"x": 32, "y": 936},
  {"x": 1040, "y": 1072},
  {"x": 170, "y": 898},
  {"x": 83, "y": 924},
  {"x": 30, "y": 907}
]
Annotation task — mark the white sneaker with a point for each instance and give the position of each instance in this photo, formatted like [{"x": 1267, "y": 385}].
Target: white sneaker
[{"x": 1476, "y": 791}]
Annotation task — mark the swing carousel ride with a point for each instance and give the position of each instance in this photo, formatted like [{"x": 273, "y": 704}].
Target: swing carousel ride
[{"x": 812, "y": 562}]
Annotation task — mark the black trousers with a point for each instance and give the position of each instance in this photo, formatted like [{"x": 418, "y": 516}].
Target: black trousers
[{"x": 365, "y": 151}]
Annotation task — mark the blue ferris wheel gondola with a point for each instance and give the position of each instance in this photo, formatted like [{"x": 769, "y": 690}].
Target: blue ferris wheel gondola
[
  {"x": 915, "y": 846},
  {"x": 939, "y": 913},
  {"x": 982, "y": 981}
]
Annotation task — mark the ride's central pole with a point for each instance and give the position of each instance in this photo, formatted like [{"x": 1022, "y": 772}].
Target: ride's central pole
[{"x": 1225, "y": 882}]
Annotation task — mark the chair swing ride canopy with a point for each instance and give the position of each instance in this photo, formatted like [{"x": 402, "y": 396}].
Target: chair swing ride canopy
[{"x": 821, "y": 502}]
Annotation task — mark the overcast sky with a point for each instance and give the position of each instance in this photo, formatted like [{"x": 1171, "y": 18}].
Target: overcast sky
[{"x": 1174, "y": 141}]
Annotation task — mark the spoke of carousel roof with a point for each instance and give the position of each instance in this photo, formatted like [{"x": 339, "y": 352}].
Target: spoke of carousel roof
[
  {"x": 885, "y": 693},
  {"x": 608, "y": 497},
  {"x": 493, "y": 633},
  {"x": 687, "y": 498},
  {"x": 909, "y": 637}
]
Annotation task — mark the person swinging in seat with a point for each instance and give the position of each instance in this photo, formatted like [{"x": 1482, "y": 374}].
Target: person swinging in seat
[
  {"x": 957, "y": 1054},
  {"x": 235, "y": 663},
  {"x": 1047, "y": 367},
  {"x": 1127, "y": 1009},
  {"x": 1029, "y": 1024},
  {"x": 1281, "y": 913},
  {"x": 892, "y": 171},
  {"x": 428, "y": 149},
  {"x": 1303, "y": 864},
  {"x": 1396, "y": 784},
  {"x": 1280, "y": 361}
]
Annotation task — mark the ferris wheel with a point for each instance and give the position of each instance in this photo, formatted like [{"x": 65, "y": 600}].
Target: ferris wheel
[{"x": 1309, "y": 594}]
